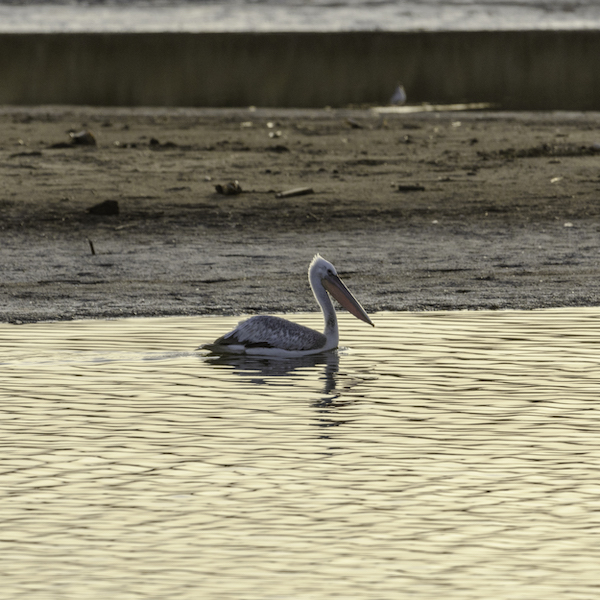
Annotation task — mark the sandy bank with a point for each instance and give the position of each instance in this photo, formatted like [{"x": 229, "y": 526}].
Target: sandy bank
[{"x": 419, "y": 212}]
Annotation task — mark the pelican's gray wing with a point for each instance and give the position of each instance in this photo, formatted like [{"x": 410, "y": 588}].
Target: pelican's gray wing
[{"x": 268, "y": 332}]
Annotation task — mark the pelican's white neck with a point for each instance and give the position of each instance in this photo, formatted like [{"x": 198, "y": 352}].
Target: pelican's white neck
[{"x": 331, "y": 331}]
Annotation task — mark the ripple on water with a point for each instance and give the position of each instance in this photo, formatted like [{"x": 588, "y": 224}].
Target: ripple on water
[{"x": 439, "y": 453}]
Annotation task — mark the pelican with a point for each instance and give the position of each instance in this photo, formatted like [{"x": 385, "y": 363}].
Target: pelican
[
  {"x": 272, "y": 336},
  {"x": 399, "y": 96}
]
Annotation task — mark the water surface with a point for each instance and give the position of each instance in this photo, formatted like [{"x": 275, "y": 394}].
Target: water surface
[
  {"x": 449, "y": 455},
  {"x": 25, "y": 16}
]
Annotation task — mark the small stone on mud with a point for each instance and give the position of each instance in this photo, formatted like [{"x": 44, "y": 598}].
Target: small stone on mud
[
  {"x": 411, "y": 187},
  {"x": 105, "y": 209},
  {"x": 83, "y": 138},
  {"x": 232, "y": 188}
]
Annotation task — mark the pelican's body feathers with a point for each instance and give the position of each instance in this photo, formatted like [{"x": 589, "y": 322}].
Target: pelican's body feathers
[{"x": 257, "y": 335}]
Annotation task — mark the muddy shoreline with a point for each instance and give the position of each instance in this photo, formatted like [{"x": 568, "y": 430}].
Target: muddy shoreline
[{"x": 423, "y": 211}]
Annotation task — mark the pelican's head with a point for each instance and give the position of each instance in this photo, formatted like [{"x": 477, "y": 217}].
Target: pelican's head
[
  {"x": 320, "y": 267},
  {"x": 323, "y": 272}
]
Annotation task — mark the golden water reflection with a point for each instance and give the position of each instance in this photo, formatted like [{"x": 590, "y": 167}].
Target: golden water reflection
[{"x": 439, "y": 453}]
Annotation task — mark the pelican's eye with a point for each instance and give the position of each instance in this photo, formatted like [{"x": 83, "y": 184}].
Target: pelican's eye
[{"x": 329, "y": 272}]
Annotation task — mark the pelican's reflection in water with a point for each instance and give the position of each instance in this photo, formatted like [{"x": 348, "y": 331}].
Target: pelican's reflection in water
[
  {"x": 336, "y": 396},
  {"x": 259, "y": 369}
]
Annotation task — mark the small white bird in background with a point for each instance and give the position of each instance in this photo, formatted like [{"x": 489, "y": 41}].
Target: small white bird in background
[
  {"x": 399, "y": 96},
  {"x": 273, "y": 336}
]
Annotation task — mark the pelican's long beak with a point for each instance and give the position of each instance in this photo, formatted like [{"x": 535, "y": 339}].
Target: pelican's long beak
[{"x": 335, "y": 286}]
